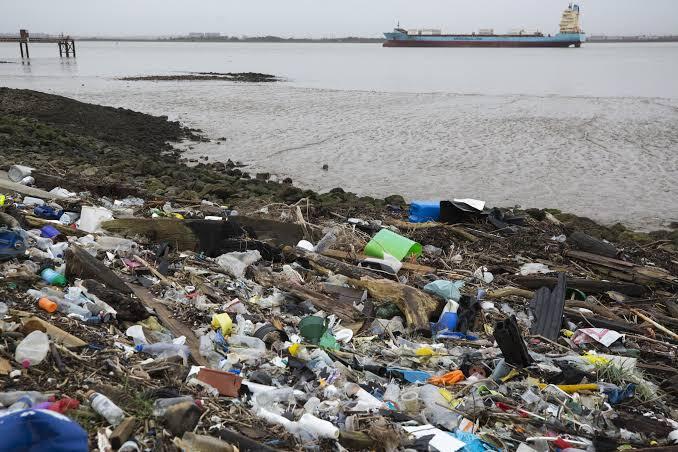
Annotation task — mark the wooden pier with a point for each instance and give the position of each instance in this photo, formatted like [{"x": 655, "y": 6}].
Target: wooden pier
[{"x": 66, "y": 44}]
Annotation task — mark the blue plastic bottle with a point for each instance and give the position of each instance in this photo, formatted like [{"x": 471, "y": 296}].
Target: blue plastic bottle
[{"x": 53, "y": 277}]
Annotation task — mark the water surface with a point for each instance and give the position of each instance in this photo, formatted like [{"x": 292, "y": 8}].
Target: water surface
[{"x": 593, "y": 130}]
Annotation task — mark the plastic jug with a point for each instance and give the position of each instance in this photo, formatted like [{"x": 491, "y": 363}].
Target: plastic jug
[
  {"x": 33, "y": 349},
  {"x": 106, "y": 408},
  {"x": 164, "y": 350}
]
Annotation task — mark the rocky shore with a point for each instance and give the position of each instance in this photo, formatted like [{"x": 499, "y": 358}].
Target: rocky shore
[{"x": 114, "y": 151}]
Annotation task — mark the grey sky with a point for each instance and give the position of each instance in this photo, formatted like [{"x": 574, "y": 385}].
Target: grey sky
[{"x": 325, "y": 18}]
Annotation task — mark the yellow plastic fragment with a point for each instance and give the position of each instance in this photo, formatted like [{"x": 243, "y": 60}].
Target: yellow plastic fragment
[
  {"x": 512, "y": 374},
  {"x": 222, "y": 321},
  {"x": 571, "y": 389}
]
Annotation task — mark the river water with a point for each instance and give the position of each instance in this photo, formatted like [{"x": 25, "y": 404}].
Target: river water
[{"x": 593, "y": 131}]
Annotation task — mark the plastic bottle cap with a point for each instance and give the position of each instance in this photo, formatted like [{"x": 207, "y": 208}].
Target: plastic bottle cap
[
  {"x": 25, "y": 364},
  {"x": 139, "y": 347},
  {"x": 90, "y": 393}
]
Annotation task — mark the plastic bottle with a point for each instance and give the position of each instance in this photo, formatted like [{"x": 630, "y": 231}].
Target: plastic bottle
[
  {"x": 326, "y": 242},
  {"x": 164, "y": 350},
  {"x": 52, "y": 277},
  {"x": 434, "y": 412},
  {"x": 392, "y": 394},
  {"x": 161, "y": 406},
  {"x": 3, "y": 309},
  {"x": 106, "y": 408},
  {"x": 63, "y": 305},
  {"x": 10, "y": 397},
  {"x": 33, "y": 349},
  {"x": 247, "y": 341}
]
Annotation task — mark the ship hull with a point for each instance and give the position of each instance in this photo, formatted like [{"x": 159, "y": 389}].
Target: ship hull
[
  {"x": 423, "y": 43},
  {"x": 401, "y": 39}
]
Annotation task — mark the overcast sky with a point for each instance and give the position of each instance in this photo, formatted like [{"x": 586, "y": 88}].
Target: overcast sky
[{"x": 328, "y": 18}]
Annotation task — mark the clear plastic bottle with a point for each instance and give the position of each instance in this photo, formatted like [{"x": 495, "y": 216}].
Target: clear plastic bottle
[
  {"x": 164, "y": 350},
  {"x": 10, "y": 397},
  {"x": 161, "y": 406},
  {"x": 63, "y": 305},
  {"x": 392, "y": 393},
  {"x": 106, "y": 408},
  {"x": 33, "y": 349},
  {"x": 435, "y": 413},
  {"x": 247, "y": 341}
]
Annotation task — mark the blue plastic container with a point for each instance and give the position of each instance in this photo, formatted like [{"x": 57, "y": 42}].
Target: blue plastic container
[
  {"x": 423, "y": 211},
  {"x": 47, "y": 212}
]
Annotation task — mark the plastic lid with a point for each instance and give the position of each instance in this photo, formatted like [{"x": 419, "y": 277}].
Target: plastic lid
[
  {"x": 90, "y": 393},
  {"x": 139, "y": 347},
  {"x": 25, "y": 364}
]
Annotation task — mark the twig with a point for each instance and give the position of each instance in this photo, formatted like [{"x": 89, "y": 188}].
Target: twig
[{"x": 657, "y": 325}]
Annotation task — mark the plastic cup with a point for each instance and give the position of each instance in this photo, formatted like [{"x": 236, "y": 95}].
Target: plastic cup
[{"x": 386, "y": 241}]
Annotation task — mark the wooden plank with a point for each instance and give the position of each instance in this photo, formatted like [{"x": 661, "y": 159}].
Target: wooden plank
[
  {"x": 39, "y": 222},
  {"x": 81, "y": 264},
  {"x": 175, "y": 326},
  {"x": 585, "y": 285},
  {"x": 123, "y": 431},
  {"x": 8, "y": 185}
]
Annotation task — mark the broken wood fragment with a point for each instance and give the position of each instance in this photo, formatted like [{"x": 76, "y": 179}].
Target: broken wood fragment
[
  {"x": 175, "y": 326},
  {"x": 123, "y": 431},
  {"x": 657, "y": 325},
  {"x": 57, "y": 335},
  {"x": 418, "y": 306},
  {"x": 332, "y": 264},
  {"x": 65, "y": 230},
  {"x": 509, "y": 291},
  {"x": 343, "y": 310},
  {"x": 80, "y": 264}
]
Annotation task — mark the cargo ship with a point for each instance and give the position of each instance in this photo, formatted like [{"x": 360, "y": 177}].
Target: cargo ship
[{"x": 570, "y": 35}]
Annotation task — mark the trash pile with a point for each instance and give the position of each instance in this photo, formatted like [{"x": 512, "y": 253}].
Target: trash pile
[{"x": 132, "y": 324}]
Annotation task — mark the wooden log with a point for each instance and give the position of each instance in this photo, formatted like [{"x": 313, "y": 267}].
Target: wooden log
[
  {"x": 206, "y": 235},
  {"x": 343, "y": 310},
  {"x": 334, "y": 265},
  {"x": 418, "y": 306},
  {"x": 635, "y": 272},
  {"x": 459, "y": 232},
  {"x": 601, "y": 322},
  {"x": 424, "y": 269},
  {"x": 585, "y": 242},
  {"x": 175, "y": 326},
  {"x": 81, "y": 264},
  {"x": 585, "y": 285},
  {"x": 509, "y": 291},
  {"x": 65, "y": 230},
  {"x": 123, "y": 431}
]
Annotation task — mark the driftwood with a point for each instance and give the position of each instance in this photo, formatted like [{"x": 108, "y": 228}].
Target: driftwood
[
  {"x": 655, "y": 324},
  {"x": 123, "y": 431},
  {"x": 509, "y": 291},
  {"x": 627, "y": 271},
  {"x": 585, "y": 242},
  {"x": 207, "y": 236},
  {"x": 585, "y": 285},
  {"x": 459, "y": 232},
  {"x": 65, "y": 230},
  {"x": 343, "y": 310},
  {"x": 602, "y": 322},
  {"x": 81, "y": 264},
  {"x": 175, "y": 326},
  {"x": 127, "y": 307},
  {"x": 418, "y": 306},
  {"x": 57, "y": 335}
]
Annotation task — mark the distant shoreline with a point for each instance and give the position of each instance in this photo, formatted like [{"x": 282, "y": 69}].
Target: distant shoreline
[{"x": 348, "y": 40}]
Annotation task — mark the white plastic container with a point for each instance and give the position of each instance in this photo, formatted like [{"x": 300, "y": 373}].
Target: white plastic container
[
  {"x": 18, "y": 172},
  {"x": 33, "y": 349}
]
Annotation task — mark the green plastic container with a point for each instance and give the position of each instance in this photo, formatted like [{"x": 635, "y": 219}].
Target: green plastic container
[
  {"x": 312, "y": 328},
  {"x": 386, "y": 241}
]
